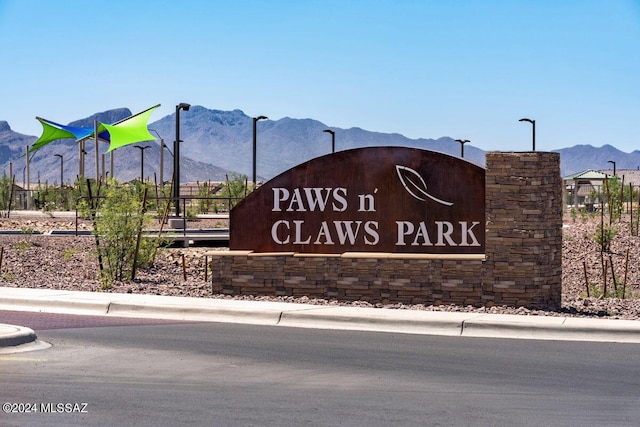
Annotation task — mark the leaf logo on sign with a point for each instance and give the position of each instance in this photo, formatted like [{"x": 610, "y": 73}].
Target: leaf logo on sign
[{"x": 415, "y": 185}]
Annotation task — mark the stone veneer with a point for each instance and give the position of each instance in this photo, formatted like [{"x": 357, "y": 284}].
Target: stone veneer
[
  {"x": 522, "y": 264},
  {"x": 523, "y": 193}
]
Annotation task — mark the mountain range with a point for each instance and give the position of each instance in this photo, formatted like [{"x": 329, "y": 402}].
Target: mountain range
[{"x": 216, "y": 143}]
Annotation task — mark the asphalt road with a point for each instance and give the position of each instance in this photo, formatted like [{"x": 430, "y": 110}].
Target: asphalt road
[{"x": 160, "y": 373}]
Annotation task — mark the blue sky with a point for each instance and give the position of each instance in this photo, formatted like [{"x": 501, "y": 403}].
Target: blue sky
[{"x": 425, "y": 69}]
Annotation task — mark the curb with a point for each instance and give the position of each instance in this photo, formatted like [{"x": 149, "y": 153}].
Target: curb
[
  {"x": 472, "y": 325},
  {"x": 13, "y": 336},
  {"x": 553, "y": 328},
  {"x": 378, "y": 320},
  {"x": 68, "y": 306},
  {"x": 210, "y": 314}
]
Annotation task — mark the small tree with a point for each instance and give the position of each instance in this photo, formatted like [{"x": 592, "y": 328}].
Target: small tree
[
  {"x": 204, "y": 194},
  {"x": 117, "y": 226},
  {"x": 614, "y": 196},
  {"x": 82, "y": 191},
  {"x": 5, "y": 192},
  {"x": 50, "y": 198},
  {"x": 604, "y": 235},
  {"x": 236, "y": 188}
]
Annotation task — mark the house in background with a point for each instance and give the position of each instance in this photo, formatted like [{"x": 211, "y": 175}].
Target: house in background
[
  {"x": 627, "y": 176},
  {"x": 586, "y": 187},
  {"x": 580, "y": 189}
]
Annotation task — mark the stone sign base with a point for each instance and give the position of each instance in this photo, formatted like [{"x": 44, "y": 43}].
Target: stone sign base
[
  {"x": 522, "y": 264},
  {"x": 372, "y": 277}
]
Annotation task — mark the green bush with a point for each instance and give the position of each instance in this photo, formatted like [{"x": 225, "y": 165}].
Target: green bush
[
  {"x": 5, "y": 191},
  {"x": 118, "y": 219},
  {"x": 236, "y": 188},
  {"x": 604, "y": 236},
  {"x": 50, "y": 198},
  {"x": 204, "y": 197}
]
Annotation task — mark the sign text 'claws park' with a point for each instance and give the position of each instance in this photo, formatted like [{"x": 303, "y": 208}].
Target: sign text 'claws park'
[{"x": 375, "y": 199}]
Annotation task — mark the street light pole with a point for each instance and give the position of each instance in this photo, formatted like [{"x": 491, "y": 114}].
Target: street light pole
[
  {"x": 162, "y": 162},
  {"x": 333, "y": 139},
  {"x": 614, "y": 166},
  {"x": 255, "y": 121},
  {"x": 61, "y": 169},
  {"x": 142, "y": 160},
  {"x": 462, "y": 142},
  {"x": 176, "y": 157},
  {"x": 533, "y": 123}
]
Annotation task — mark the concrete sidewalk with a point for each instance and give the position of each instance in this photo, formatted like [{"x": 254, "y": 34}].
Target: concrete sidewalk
[{"x": 308, "y": 316}]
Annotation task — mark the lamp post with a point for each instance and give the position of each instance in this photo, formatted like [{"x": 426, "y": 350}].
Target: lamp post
[
  {"x": 533, "y": 123},
  {"x": 61, "y": 168},
  {"x": 255, "y": 121},
  {"x": 462, "y": 142},
  {"x": 176, "y": 157},
  {"x": 614, "y": 166},
  {"x": 333, "y": 139},
  {"x": 142, "y": 160}
]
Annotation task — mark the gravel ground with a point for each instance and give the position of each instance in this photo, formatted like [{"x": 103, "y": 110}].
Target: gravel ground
[{"x": 56, "y": 262}]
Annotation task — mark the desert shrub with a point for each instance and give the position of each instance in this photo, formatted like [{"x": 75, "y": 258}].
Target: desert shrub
[
  {"x": 236, "y": 188},
  {"x": 118, "y": 219},
  {"x": 5, "y": 192},
  {"x": 604, "y": 235}
]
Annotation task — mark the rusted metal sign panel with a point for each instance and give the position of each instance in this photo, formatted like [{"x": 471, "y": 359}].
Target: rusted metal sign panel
[{"x": 375, "y": 199}]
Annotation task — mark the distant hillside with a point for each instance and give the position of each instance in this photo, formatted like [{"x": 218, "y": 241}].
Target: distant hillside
[
  {"x": 582, "y": 157},
  {"x": 217, "y": 142},
  {"x": 225, "y": 138},
  {"x": 12, "y": 147}
]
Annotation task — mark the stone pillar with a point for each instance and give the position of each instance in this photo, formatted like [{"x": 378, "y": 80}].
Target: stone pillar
[{"x": 524, "y": 230}]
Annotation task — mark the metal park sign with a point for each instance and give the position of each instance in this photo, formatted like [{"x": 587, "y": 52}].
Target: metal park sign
[{"x": 376, "y": 199}]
